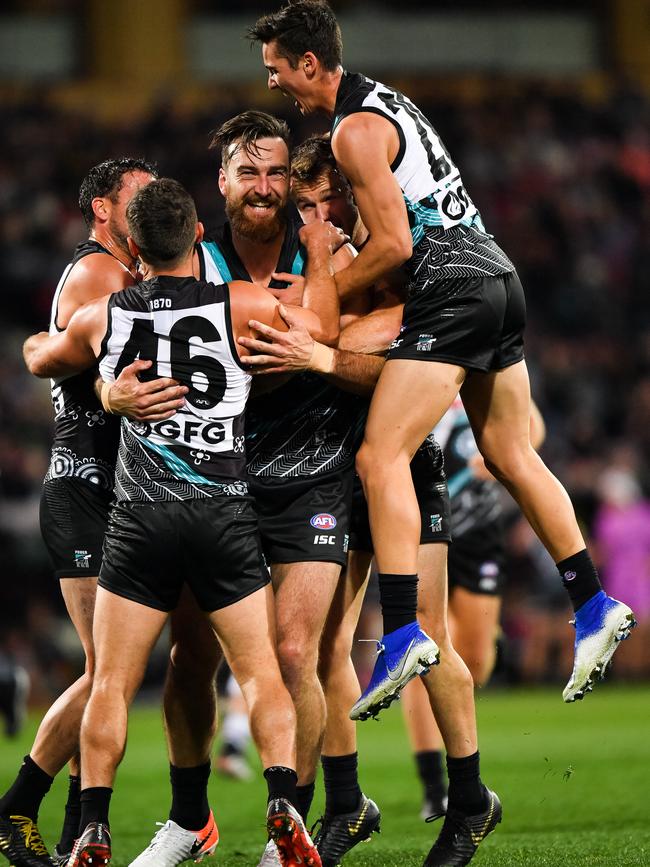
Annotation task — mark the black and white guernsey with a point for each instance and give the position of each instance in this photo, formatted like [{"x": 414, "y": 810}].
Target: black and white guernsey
[
  {"x": 449, "y": 238},
  {"x": 306, "y": 428},
  {"x": 85, "y": 437},
  {"x": 183, "y": 326}
]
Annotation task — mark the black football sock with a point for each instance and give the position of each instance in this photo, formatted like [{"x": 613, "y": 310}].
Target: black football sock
[
  {"x": 190, "y": 808},
  {"x": 72, "y": 820},
  {"x": 24, "y": 797},
  {"x": 342, "y": 791},
  {"x": 282, "y": 783},
  {"x": 429, "y": 765},
  {"x": 466, "y": 791},
  {"x": 580, "y": 578},
  {"x": 399, "y": 600},
  {"x": 94, "y": 806},
  {"x": 304, "y": 797}
]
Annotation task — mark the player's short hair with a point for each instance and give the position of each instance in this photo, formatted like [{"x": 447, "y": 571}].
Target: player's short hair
[
  {"x": 245, "y": 130},
  {"x": 105, "y": 179},
  {"x": 162, "y": 221},
  {"x": 301, "y": 26},
  {"x": 311, "y": 159}
]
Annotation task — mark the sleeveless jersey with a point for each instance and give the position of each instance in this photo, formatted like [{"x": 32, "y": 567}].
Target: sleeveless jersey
[
  {"x": 474, "y": 503},
  {"x": 449, "y": 238},
  {"x": 183, "y": 326},
  {"x": 307, "y": 427},
  {"x": 85, "y": 437}
]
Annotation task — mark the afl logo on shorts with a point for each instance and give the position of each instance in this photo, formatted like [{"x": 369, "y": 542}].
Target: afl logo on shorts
[{"x": 323, "y": 521}]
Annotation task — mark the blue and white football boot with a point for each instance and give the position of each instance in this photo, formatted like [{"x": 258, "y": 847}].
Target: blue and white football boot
[
  {"x": 401, "y": 655},
  {"x": 601, "y": 623}
]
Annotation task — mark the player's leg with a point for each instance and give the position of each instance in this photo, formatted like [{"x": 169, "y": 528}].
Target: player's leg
[
  {"x": 252, "y": 657},
  {"x": 346, "y": 807},
  {"x": 124, "y": 635},
  {"x": 451, "y": 696},
  {"x": 498, "y": 406},
  {"x": 74, "y": 542},
  {"x": 409, "y": 400},
  {"x": 190, "y": 712},
  {"x": 474, "y": 625},
  {"x": 303, "y": 595}
]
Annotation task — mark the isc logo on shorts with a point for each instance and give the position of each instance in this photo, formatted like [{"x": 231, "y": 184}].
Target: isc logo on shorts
[{"x": 323, "y": 521}]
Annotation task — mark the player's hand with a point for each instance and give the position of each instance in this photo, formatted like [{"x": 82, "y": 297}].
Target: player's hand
[
  {"x": 294, "y": 291},
  {"x": 322, "y": 234},
  {"x": 145, "y": 401},
  {"x": 278, "y": 351},
  {"x": 478, "y": 468}
]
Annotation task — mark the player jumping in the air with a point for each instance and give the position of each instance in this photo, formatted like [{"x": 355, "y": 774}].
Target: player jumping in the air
[{"x": 462, "y": 329}]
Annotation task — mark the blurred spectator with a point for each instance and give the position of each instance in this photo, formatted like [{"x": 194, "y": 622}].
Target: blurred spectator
[
  {"x": 562, "y": 179},
  {"x": 622, "y": 536}
]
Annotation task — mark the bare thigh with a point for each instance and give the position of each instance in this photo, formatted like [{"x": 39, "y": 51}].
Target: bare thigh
[{"x": 79, "y": 595}]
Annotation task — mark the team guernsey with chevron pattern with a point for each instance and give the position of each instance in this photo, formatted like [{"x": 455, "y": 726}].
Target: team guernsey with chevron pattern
[
  {"x": 183, "y": 326},
  {"x": 307, "y": 427},
  {"x": 449, "y": 238},
  {"x": 85, "y": 437}
]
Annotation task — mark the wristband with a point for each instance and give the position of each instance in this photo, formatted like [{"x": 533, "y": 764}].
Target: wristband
[
  {"x": 105, "y": 396},
  {"x": 322, "y": 358}
]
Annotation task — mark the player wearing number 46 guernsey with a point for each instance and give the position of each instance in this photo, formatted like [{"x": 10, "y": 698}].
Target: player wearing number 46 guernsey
[{"x": 183, "y": 514}]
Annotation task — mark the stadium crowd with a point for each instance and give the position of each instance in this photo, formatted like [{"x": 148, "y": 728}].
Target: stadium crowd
[{"x": 568, "y": 196}]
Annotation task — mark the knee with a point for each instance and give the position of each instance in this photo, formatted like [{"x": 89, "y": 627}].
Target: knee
[
  {"x": 191, "y": 659},
  {"x": 508, "y": 464},
  {"x": 364, "y": 460},
  {"x": 298, "y": 659},
  {"x": 480, "y": 670}
]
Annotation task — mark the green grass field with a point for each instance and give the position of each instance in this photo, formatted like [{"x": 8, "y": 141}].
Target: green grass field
[{"x": 573, "y": 781}]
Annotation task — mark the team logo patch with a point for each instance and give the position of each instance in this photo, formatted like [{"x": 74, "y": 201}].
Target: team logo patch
[
  {"x": 82, "y": 559},
  {"x": 425, "y": 342},
  {"x": 569, "y": 576},
  {"x": 323, "y": 521},
  {"x": 436, "y": 523}
]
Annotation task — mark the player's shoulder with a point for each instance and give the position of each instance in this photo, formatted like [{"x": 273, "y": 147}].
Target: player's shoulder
[{"x": 98, "y": 270}]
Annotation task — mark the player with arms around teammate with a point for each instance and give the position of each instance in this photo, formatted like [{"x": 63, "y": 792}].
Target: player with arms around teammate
[
  {"x": 183, "y": 514},
  {"x": 300, "y": 445},
  {"x": 462, "y": 327},
  {"x": 321, "y": 193},
  {"x": 77, "y": 492}
]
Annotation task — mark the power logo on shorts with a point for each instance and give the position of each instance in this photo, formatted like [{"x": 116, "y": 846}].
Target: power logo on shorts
[
  {"x": 323, "y": 521},
  {"x": 82, "y": 559}
]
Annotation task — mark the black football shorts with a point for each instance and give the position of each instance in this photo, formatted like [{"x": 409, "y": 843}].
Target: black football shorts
[
  {"x": 304, "y": 520},
  {"x": 476, "y": 323},
  {"x": 430, "y": 483},
  {"x": 476, "y": 560},
  {"x": 212, "y": 544},
  {"x": 73, "y": 518}
]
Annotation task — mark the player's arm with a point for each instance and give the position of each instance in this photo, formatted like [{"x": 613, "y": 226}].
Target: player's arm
[
  {"x": 91, "y": 278},
  {"x": 365, "y": 145},
  {"x": 72, "y": 350},
  {"x": 320, "y": 295},
  {"x": 351, "y": 367},
  {"x": 154, "y": 400}
]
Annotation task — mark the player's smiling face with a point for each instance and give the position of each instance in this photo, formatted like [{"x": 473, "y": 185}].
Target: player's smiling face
[
  {"x": 295, "y": 83},
  {"x": 255, "y": 185},
  {"x": 329, "y": 198}
]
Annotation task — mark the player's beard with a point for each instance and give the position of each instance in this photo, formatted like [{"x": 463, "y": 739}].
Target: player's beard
[
  {"x": 119, "y": 235},
  {"x": 264, "y": 226}
]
